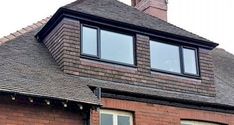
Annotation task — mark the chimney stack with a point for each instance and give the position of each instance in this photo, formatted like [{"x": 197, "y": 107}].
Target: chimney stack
[{"x": 157, "y": 8}]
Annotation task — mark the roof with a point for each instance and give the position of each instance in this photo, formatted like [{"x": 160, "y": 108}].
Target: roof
[
  {"x": 27, "y": 68},
  {"x": 224, "y": 75},
  {"x": 118, "y": 11}
]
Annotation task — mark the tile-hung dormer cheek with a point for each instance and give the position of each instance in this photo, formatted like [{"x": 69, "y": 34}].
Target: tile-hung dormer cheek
[
  {"x": 62, "y": 42},
  {"x": 124, "y": 51}
]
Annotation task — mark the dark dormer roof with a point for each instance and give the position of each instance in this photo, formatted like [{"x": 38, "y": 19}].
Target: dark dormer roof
[{"x": 114, "y": 10}]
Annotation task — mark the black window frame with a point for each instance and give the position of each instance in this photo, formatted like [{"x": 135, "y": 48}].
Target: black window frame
[
  {"x": 183, "y": 73},
  {"x": 98, "y": 57}
]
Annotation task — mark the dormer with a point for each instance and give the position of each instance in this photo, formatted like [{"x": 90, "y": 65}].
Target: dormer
[{"x": 121, "y": 44}]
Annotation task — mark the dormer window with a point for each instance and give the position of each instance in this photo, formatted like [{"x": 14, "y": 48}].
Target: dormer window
[
  {"x": 107, "y": 45},
  {"x": 173, "y": 59}
]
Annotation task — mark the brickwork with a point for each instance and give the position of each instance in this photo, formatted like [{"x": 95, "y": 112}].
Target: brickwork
[
  {"x": 156, "y": 8},
  {"x": 18, "y": 113},
  {"x": 153, "y": 114},
  {"x": 64, "y": 44}
]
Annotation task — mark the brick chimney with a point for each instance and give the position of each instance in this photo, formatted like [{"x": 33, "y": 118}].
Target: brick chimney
[{"x": 157, "y": 8}]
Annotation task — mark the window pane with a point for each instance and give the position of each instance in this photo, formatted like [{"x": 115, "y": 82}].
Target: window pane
[
  {"x": 106, "y": 119},
  {"x": 89, "y": 41},
  {"x": 190, "y": 65},
  {"x": 116, "y": 47},
  {"x": 165, "y": 57},
  {"x": 123, "y": 120}
]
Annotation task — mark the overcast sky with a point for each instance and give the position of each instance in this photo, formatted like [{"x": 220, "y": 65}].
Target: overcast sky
[{"x": 212, "y": 19}]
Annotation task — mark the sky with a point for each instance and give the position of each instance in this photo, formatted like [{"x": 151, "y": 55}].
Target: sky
[{"x": 212, "y": 19}]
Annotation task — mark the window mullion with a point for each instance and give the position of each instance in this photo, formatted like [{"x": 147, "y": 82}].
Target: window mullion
[
  {"x": 197, "y": 62},
  {"x": 115, "y": 120},
  {"x": 181, "y": 60},
  {"x": 99, "y": 43}
]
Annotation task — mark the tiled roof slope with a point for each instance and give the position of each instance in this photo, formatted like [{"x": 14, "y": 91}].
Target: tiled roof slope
[
  {"x": 26, "y": 67},
  {"x": 115, "y": 10},
  {"x": 224, "y": 75}
]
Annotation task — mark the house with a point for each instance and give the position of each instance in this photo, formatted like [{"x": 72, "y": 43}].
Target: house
[{"x": 101, "y": 62}]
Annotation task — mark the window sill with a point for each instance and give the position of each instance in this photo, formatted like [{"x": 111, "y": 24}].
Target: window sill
[
  {"x": 108, "y": 61},
  {"x": 198, "y": 77}
]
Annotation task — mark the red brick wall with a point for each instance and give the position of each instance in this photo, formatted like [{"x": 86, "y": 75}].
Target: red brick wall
[
  {"x": 13, "y": 113},
  {"x": 64, "y": 44},
  {"x": 153, "y": 114}
]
